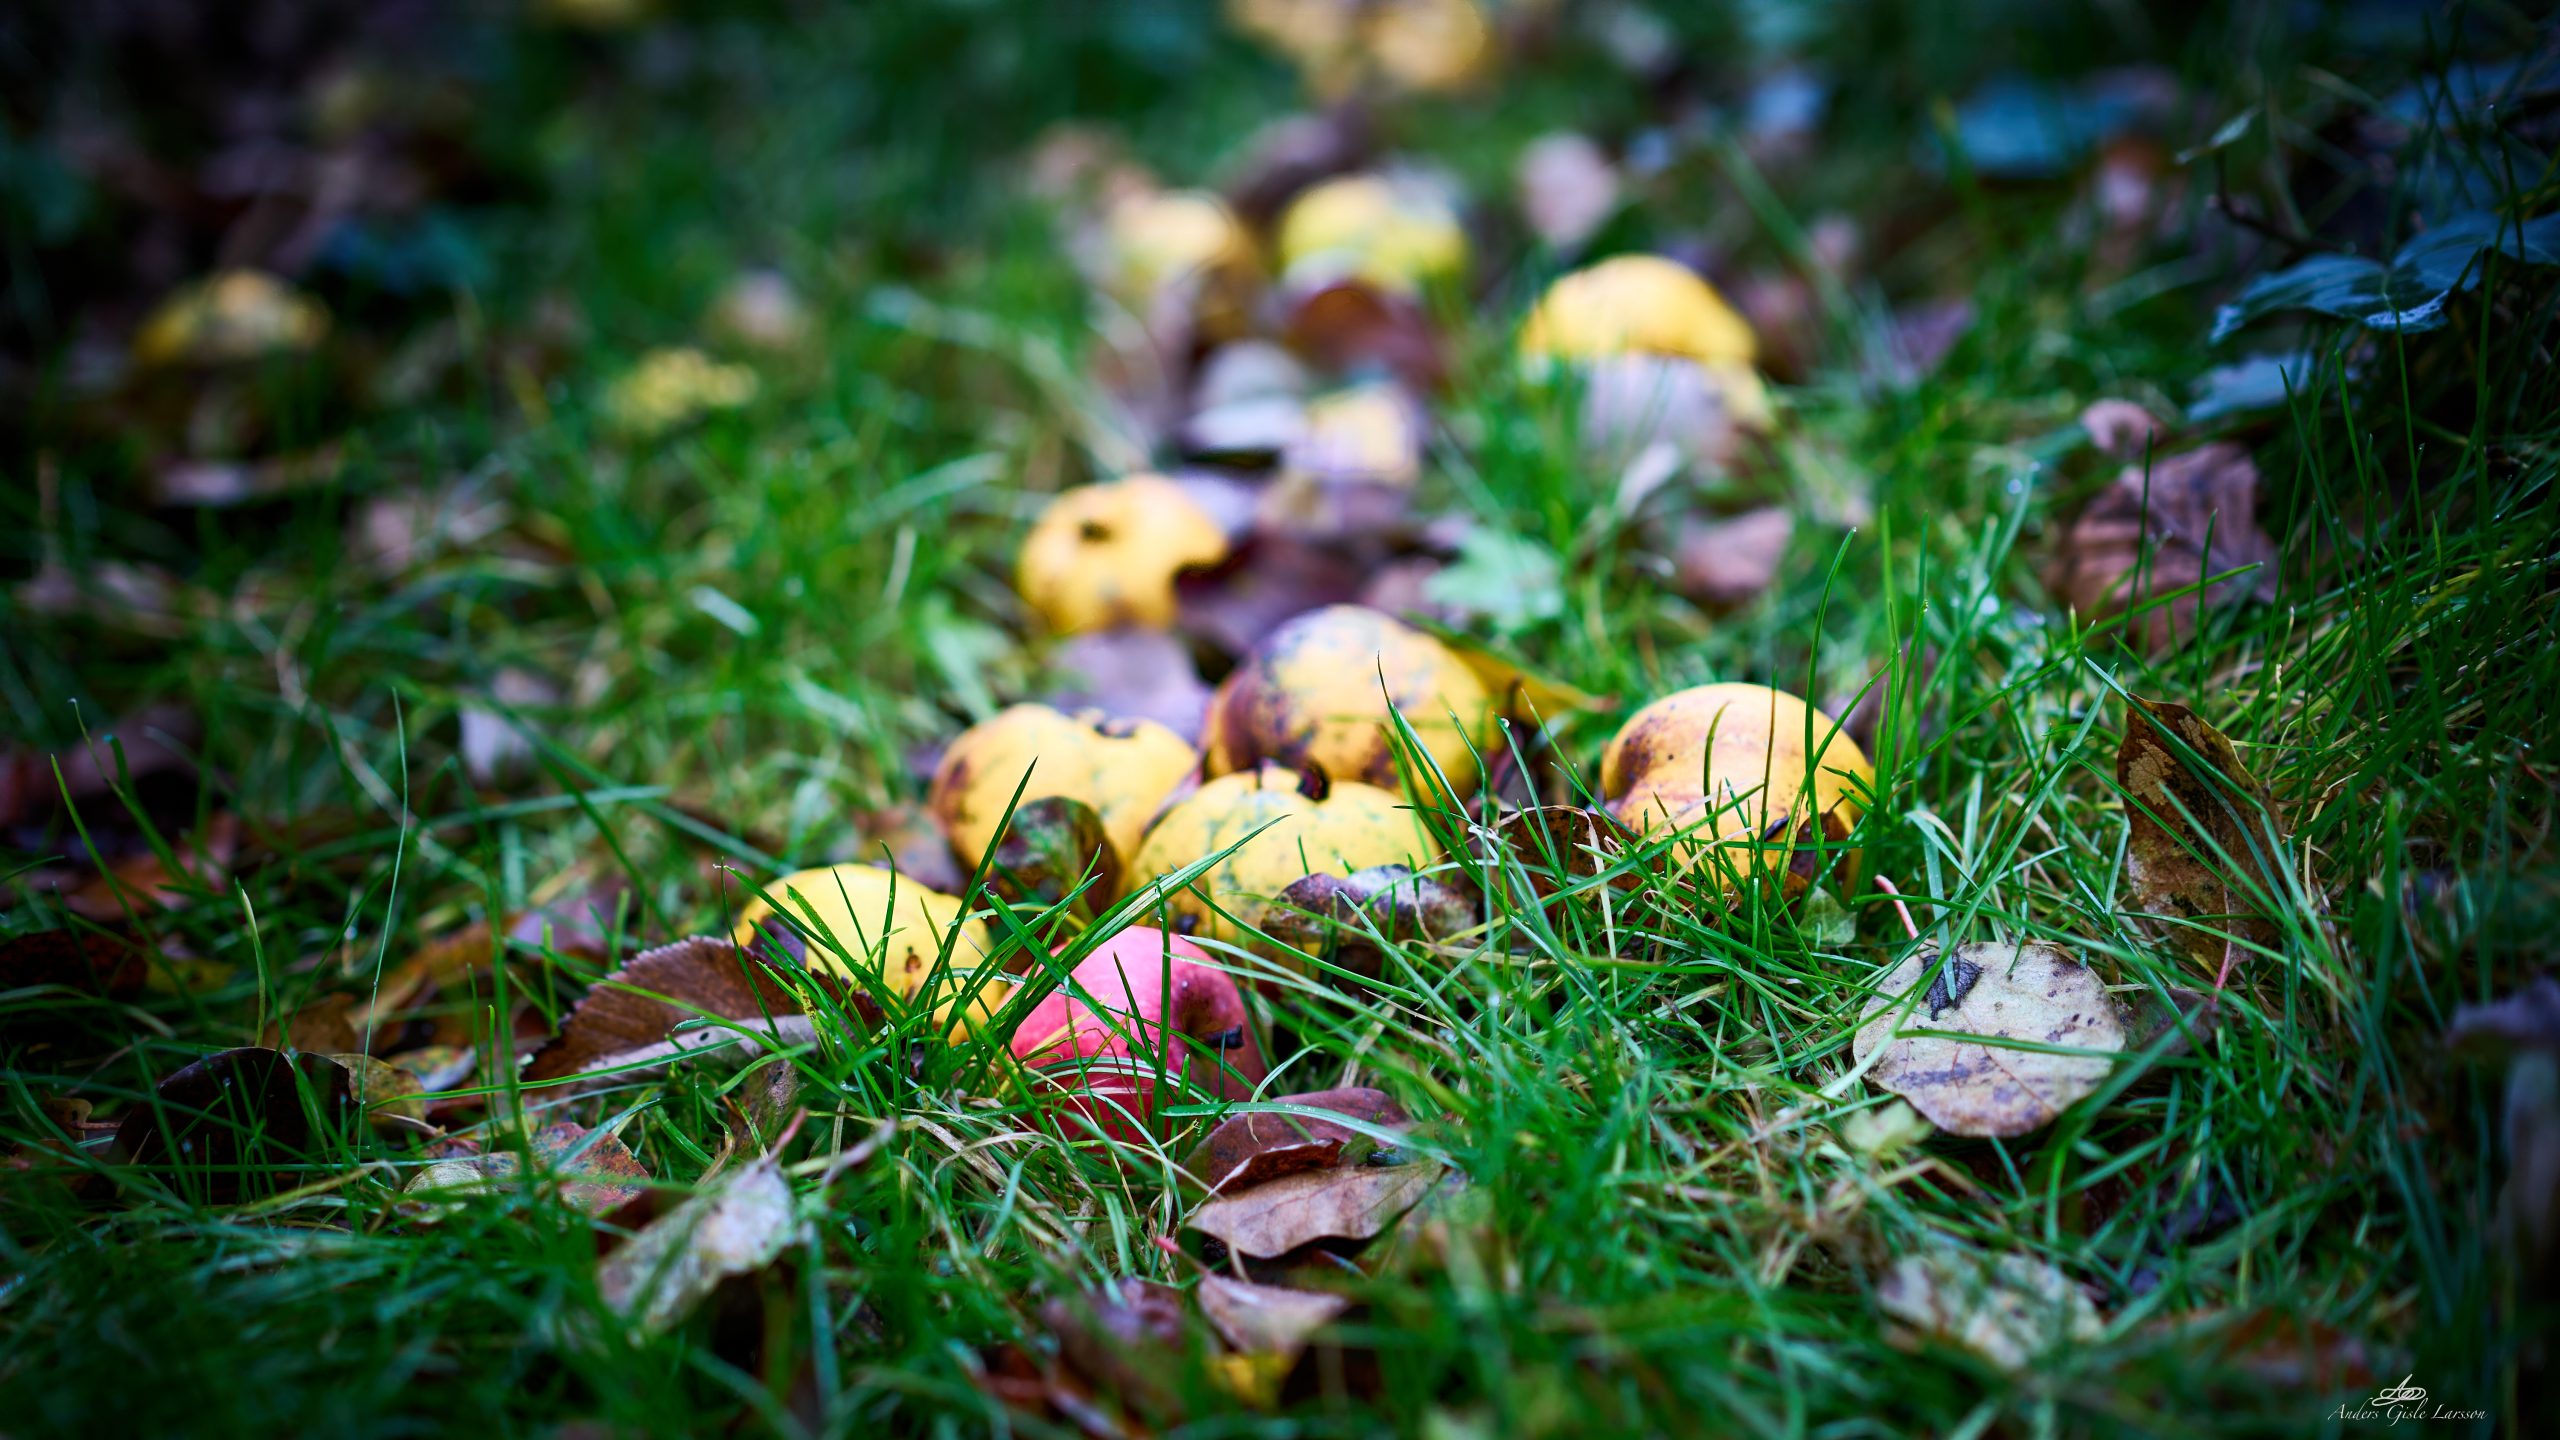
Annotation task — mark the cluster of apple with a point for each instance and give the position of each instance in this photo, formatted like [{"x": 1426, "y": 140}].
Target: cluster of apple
[{"x": 1334, "y": 733}]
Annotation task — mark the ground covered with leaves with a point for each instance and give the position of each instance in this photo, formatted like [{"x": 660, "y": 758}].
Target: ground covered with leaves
[{"x": 1778, "y": 719}]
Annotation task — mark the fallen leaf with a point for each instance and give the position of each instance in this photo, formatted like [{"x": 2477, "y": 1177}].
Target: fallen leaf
[
  {"x": 2523, "y": 1030},
  {"x": 1633, "y": 403},
  {"x": 2183, "y": 521},
  {"x": 1568, "y": 189},
  {"x": 1332, "y": 915},
  {"x": 1264, "y": 582},
  {"x": 1247, "y": 1150},
  {"x": 1346, "y": 326},
  {"x": 737, "y": 1227},
  {"x": 228, "y": 1124},
  {"x": 1130, "y": 675},
  {"x": 590, "y": 1171},
  {"x": 1524, "y": 692},
  {"x": 2122, "y": 429},
  {"x": 1349, "y": 1203},
  {"x": 384, "y": 1091},
  {"x": 2411, "y": 292},
  {"x": 623, "y": 1018},
  {"x": 1726, "y": 564},
  {"x": 394, "y": 533},
  {"x": 1883, "y": 1131},
  {"x": 761, "y": 311},
  {"x": 1267, "y": 1319},
  {"x": 2033, "y": 993},
  {"x": 1131, "y": 1338},
  {"x": 1499, "y": 580},
  {"x": 325, "y": 1025},
  {"x": 907, "y": 839},
  {"x": 2010, "y": 1309},
  {"x": 495, "y": 746},
  {"x": 1559, "y": 845},
  {"x": 2190, "y": 829},
  {"x": 213, "y": 484},
  {"x": 87, "y": 961}
]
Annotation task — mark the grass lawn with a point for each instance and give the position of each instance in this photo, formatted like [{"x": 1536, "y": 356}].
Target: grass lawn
[{"x": 376, "y": 657}]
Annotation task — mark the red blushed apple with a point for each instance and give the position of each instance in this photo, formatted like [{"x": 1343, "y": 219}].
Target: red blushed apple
[{"x": 1145, "y": 1003}]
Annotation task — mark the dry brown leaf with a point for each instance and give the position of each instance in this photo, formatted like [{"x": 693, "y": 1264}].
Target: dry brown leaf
[
  {"x": 737, "y": 1227},
  {"x": 1725, "y": 564},
  {"x": 1568, "y": 189},
  {"x": 623, "y": 1018},
  {"x": 2033, "y": 993},
  {"x": 1130, "y": 674},
  {"x": 1129, "y": 1339},
  {"x": 2191, "y": 517},
  {"x": 326, "y": 1025},
  {"x": 1267, "y": 1319},
  {"x": 594, "y": 1172},
  {"x": 1265, "y": 582},
  {"x": 1345, "y": 326},
  {"x": 2193, "y": 857},
  {"x": 2009, "y": 1309},
  {"x": 1559, "y": 845},
  {"x": 1354, "y": 1203},
  {"x": 2122, "y": 429},
  {"x": 237, "y": 1121},
  {"x": 386, "y": 1093},
  {"x": 88, "y": 961},
  {"x": 1247, "y": 1150}
]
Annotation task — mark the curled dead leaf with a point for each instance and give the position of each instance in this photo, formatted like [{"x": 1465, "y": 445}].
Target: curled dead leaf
[
  {"x": 1129, "y": 675},
  {"x": 2185, "y": 520},
  {"x": 1267, "y": 1319},
  {"x": 2196, "y": 860},
  {"x": 2036, "y": 994},
  {"x": 1351, "y": 1203},
  {"x": 2010, "y": 1309},
  {"x": 737, "y": 1227},
  {"x": 630, "y": 1014},
  {"x": 1725, "y": 564},
  {"x": 237, "y": 1122},
  {"x": 1247, "y": 1150}
]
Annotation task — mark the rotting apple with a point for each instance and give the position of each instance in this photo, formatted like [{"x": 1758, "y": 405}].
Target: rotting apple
[
  {"x": 1146, "y": 1005},
  {"x": 1106, "y": 554},
  {"x": 1123, "y": 768},
  {"x": 1647, "y": 305},
  {"x": 1741, "y": 767},
  {"x": 1397, "y": 232},
  {"x": 1319, "y": 691},
  {"x": 1288, "y": 824},
  {"x": 891, "y": 932}
]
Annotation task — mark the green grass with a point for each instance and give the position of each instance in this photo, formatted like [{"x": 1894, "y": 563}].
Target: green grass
[{"x": 760, "y": 619}]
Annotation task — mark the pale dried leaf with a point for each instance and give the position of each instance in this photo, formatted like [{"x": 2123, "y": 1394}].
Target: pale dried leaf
[
  {"x": 1266, "y": 1319},
  {"x": 2191, "y": 860},
  {"x": 1725, "y": 564},
  {"x": 1357, "y": 1203},
  {"x": 2034, "y": 993},
  {"x": 1568, "y": 188},
  {"x": 2010, "y": 1309},
  {"x": 737, "y": 1227}
]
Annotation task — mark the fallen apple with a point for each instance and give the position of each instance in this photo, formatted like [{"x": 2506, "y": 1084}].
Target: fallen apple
[
  {"x": 1289, "y": 824},
  {"x": 1319, "y": 690},
  {"x": 1105, "y": 555},
  {"x": 1146, "y": 1009},
  {"x": 1738, "y": 767},
  {"x": 885, "y": 934},
  {"x": 1124, "y": 769}
]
